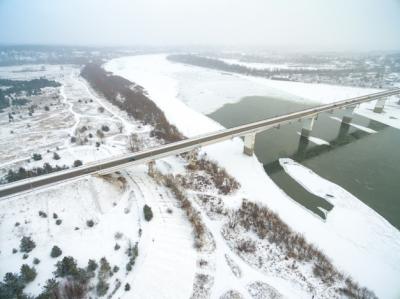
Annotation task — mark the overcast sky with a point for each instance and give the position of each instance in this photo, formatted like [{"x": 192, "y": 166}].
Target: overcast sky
[{"x": 336, "y": 25}]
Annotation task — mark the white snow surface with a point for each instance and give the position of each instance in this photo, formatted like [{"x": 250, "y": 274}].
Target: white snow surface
[
  {"x": 371, "y": 255},
  {"x": 166, "y": 263}
]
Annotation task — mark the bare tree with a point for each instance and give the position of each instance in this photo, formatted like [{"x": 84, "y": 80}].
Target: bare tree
[{"x": 135, "y": 142}]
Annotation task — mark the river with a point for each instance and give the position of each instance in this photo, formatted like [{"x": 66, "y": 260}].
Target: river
[{"x": 364, "y": 163}]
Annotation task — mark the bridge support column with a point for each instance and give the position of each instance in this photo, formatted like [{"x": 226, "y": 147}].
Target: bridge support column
[
  {"x": 249, "y": 141},
  {"x": 380, "y": 104},
  {"x": 308, "y": 125},
  {"x": 348, "y": 116}
]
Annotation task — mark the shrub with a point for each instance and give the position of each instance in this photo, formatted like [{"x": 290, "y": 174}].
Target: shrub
[
  {"x": 46, "y": 108},
  {"x": 28, "y": 274},
  {"x": 55, "y": 251},
  {"x": 127, "y": 287},
  {"x": 36, "y": 261},
  {"x": 115, "y": 269},
  {"x": 25, "y": 256},
  {"x": 37, "y": 157},
  {"x": 105, "y": 128},
  {"x": 148, "y": 213},
  {"x": 26, "y": 244},
  {"x": 100, "y": 109},
  {"x": 116, "y": 247},
  {"x": 90, "y": 223},
  {"x": 77, "y": 163},
  {"x": 14, "y": 250},
  {"x": 105, "y": 268},
  {"x": 12, "y": 286},
  {"x": 101, "y": 288},
  {"x": 73, "y": 289},
  {"x": 66, "y": 267},
  {"x": 56, "y": 156},
  {"x": 58, "y": 221},
  {"x": 92, "y": 266},
  {"x": 42, "y": 214},
  {"x": 128, "y": 267},
  {"x": 73, "y": 139},
  {"x": 118, "y": 235},
  {"x": 55, "y": 216}
]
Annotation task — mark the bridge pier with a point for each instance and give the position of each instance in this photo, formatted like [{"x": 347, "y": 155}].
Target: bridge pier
[
  {"x": 380, "y": 104},
  {"x": 348, "y": 116},
  {"x": 249, "y": 141},
  {"x": 308, "y": 125}
]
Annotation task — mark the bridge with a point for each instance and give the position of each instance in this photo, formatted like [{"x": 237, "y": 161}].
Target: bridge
[{"x": 248, "y": 131}]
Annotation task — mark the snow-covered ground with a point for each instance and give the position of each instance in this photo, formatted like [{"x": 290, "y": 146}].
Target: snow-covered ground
[
  {"x": 179, "y": 90},
  {"x": 166, "y": 264}
]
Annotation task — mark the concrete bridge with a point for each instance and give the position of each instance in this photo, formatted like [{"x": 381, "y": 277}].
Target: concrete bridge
[{"x": 248, "y": 131}]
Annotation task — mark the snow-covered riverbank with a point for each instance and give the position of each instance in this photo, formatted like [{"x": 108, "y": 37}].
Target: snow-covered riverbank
[{"x": 179, "y": 90}]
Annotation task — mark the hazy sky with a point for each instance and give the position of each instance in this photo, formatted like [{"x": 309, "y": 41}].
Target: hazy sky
[{"x": 290, "y": 24}]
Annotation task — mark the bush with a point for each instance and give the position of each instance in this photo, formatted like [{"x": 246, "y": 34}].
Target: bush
[
  {"x": 73, "y": 139},
  {"x": 25, "y": 256},
  {"x": 105, "y": 128},
  {"x": 26, "y": 244},
  {"x": 115, "y": 269},
  {"x": 118, "y": 235},
  {"x": 37, "y": 157},
  {"x": 58, "y": 221},
  {"x": 50, "y": 290},
  {"x": 28, "y": 274},
  {"x": 128, "y": 267},
  {"x": 77, "y": 163},
  {"x": 148, "y": 213},
  {"x": 116, "y": 247},
  {"x": 92, "y": 266},
  {"x": 46, "y": 108},
  {"x": 101, "y": 288},
  {"x": 36, "y": 261},
  {"x": 42, "y": 214},
  {"x": 14, "y": 250},
  {"x": 105, "y": 268},
  {"x": 100, "y": 109},
  {"x": 90, "y": 223},
  {"x": 55, "y": 251},
  {"x": 12, "y": 286},
  {"x": 127, "y": 287},
  {"x": 66, "y": 267},
  {"x": 56, "y": 156},
  {"x": 55, "y": 216},
  {"x": 73, "y": 289}
]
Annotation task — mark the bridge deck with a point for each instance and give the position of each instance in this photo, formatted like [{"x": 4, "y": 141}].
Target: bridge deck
[{"x": 120, "y": 162}]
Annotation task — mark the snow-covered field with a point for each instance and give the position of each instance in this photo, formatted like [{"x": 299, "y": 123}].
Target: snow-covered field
[
  {"x": 114, "y": 204},
  {"x": 179, "y": 90}
]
